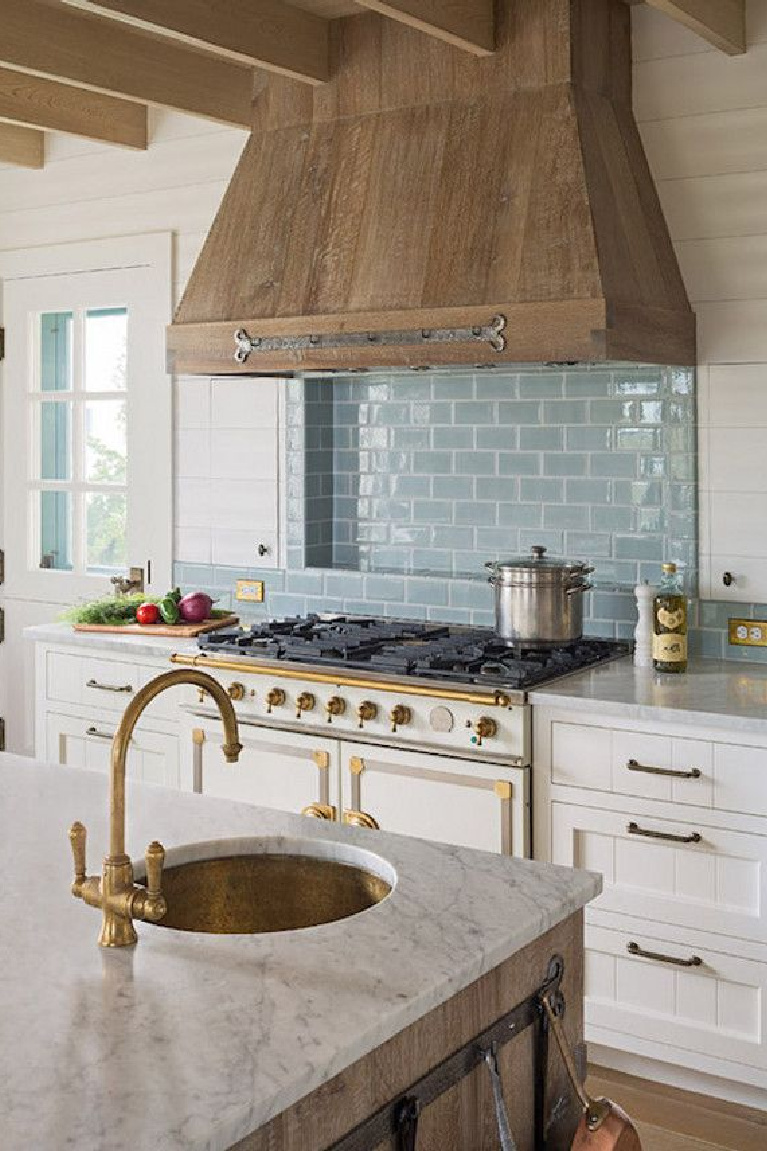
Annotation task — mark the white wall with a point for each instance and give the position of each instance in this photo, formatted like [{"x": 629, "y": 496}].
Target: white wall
[{"x": 703, "y": 117}]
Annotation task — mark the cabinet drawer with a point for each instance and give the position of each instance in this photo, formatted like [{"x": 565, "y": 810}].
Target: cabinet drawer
[
  {"x": 716, "y": 1008},
  {"x": 716, "y": 884},
  {"x": 75, "y": 742},
  {"x": 103, "y": 683},
  {"x": 632, "y": 763},
  {"x": 740, "y": 778}
]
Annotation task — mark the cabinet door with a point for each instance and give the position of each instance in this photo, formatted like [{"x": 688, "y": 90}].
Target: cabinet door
[
  {"x": 278, "y": 769},
  {"x": 469, "y": 804},
  {"x": 76, "y": 742}
]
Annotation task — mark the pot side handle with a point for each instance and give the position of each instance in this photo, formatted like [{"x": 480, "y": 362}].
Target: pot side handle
[{"x": 580, "y": 587}]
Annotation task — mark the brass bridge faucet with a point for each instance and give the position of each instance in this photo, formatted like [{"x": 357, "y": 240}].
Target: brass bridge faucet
[{"x": 119, "y": 898}]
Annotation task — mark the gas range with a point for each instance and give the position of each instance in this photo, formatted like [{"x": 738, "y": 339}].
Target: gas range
[{"x": 407, "y": 652}]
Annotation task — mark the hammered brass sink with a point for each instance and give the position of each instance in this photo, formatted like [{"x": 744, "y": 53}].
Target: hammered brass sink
[{"x": 261, "y": 886}]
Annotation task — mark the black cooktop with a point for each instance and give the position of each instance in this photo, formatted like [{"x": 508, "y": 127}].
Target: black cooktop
[{"x": 403, "y": 648}]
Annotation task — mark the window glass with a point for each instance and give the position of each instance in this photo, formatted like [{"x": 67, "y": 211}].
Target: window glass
[
  {"x": 55, "y": 440},
  {"x": 56, "y": 530},
  {"x": 56, "y": 352},
  {"x": 105, "y": 524},
  {"x": 105, "y": 456},
  {"x": 106, "y": 341}
]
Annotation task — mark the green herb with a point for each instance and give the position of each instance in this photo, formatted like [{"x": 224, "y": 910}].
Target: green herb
[{"x": 112, "y": 611}]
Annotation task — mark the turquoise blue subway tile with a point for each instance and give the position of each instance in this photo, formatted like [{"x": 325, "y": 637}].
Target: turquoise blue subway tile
[
  {"x": 367, "y": 533},
  {"x": 503, "y": 439},
  {"x": 470, "y": 594},
  {"x": 650, "y": 572},
  {"x": 682, "y": 497},
  {"x": 519, "y": 463},
  {"x": 609, "y": 518},
  {"x": 648, "y": 383},
  {"x": 433, "y": 560},
  {"x": 453, "y": 439},
  {"x": 491, "y": 386},
  {"x": 498, "y": 541},
  {"x": 405, "y": 610},
  {"x": 415, "y": 535},
  {"x": 599, "y": 629},
  {"x": 432, "y": 511},
  {"x": 625, "y": 631},
  {"x": 454, "y": 538},
  {"x": 411, "y": 388},
  {"x": 651, "y": 411},
  {"x": 430, "y": 415},
  {"x": 565, "y": 412},
  {"x": 565, "y": 464},
  {"x": 614, "y": 606},
  {"x": 452, "y": 387},
  {"x": 364, "y": 607},
  {"x": 571, "y": 517},
  {"x": 587, "y": 491},
  {"x": 713, "y": 614},
  {"x": 553, "y": 541},
  {"x": 681, "y": 381},
  {"x": 517, "y": 412},
  {"x": 305, "y": 582},
  {"x": 681, "y": 437},
  {"x": 639, "y": 439},
  {"x": 453, "y": 487},
  {"x": 190, "y": 574},
  {"x": 651, "y": 520},
  {"x": 612, "y": 465},
  {"x": 542, "y": 491},
  {"x": 541, "y": 439},
  {"x": 647, "y": 548},
  {"x": 652, "y": 467},
  {"x": 679, "y": 412},
  {"x": 710, "y": 644},
  {"x": 478, "y": 514},
  {"x": 589, "y": 545},
  {"x": 613, "y": 411},
  {"x": 322, "y": 604},
  {"x": 281, "y": 604},
  {"x": 587, "y": 385},
  {"x": 448, "y": 615},
  {"x": 389, "y": 589},
  {"x": 475, "y": 463},
  {"x": 643, "y": 493},
  {"x": 590, "y": 438},
  {"x": 483, "y": 619},
  {"x": 541, "y": 387},
  {"x": 404, "y": 439},
  {"x": 343, "y": 585},
  {"x": 624, "y": 573},
  {"x": 520, "y": 515},
  {"x": 682, "y": 467},
  {"x": 433, "y": 463},
  {"x": 474, "y": 412},
  {"x": 404, "y": 487},
  {"x": 504, "y": 488}
]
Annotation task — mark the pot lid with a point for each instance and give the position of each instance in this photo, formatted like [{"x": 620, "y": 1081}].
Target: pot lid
[{"x": 537, "y": 568}]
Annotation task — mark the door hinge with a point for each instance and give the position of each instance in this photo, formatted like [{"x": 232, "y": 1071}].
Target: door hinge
[
  {"x": 2, "y": 343},
  {"x": 2, "y": 734},
  {"x": 2, "y": 565},
  {"x": 2, "y": 625}
]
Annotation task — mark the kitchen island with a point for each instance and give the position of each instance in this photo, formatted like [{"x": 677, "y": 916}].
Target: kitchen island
[{"x": 284, "y": 1040}]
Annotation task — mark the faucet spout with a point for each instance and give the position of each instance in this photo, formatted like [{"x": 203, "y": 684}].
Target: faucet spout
[{"x": 120, "y": 899}]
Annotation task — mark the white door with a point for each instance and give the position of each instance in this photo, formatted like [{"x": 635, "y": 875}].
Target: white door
[{"x": 87, "y": 436}]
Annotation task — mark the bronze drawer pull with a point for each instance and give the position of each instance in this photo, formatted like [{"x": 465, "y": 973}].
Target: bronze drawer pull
[
  {"x": 635, "y": 949},
  {"x": 121, "y": 689},
  {"x": 693, "y": 773},
  {"x": 634, "y": 829},
  {"x": 94, "y": 733}
]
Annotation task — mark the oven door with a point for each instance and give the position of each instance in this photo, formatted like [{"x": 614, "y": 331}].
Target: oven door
[{"x": 469, "y": 803}]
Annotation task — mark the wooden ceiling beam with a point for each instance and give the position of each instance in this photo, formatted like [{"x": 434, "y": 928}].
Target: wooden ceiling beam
[
  {"x": 467, "y": 24},
  {"x": 267, "y": 33},
  {"x": 40, "y": 103},
  {"x": 57, "y": 42},
  {"x": 721, "y": 22},
  {"x": 23, "y": 147}
]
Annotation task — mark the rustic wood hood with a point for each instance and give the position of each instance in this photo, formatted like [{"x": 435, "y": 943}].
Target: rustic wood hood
[{"x": 425, "y": 190}]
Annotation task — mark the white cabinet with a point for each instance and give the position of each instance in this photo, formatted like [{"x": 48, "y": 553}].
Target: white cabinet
[
  {"x": 675, "y": 820},
  {"x": 469, "y": 804},
  {"x": 76, "y": 742}
]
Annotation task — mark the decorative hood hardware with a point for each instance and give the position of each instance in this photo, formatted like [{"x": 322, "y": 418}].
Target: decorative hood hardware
[{"x": 392, "y": 216}]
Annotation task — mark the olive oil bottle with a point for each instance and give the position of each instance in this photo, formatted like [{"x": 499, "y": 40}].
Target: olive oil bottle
[{"x": 669, "y": 641}]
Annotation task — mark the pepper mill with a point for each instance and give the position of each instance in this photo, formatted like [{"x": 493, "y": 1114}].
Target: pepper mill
[{"x": 645, "y": 594}]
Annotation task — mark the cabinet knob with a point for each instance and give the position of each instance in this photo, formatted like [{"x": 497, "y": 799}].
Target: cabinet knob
[
  {"x": 335, "y": 706},
  {"x": 728, "y": 579},
  {"x": 367, "y": 710},
  {"x": 400, "y": 716},
  {"x": 305, "y": 702},
  {"x": 274, "y": 698},
  {"x": 263, "y": 550}
]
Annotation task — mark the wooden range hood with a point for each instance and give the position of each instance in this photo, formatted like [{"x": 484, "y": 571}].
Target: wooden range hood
[{"x": 389, "y": 216}]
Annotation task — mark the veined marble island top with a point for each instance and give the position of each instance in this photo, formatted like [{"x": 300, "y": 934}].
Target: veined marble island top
[{"x": 195, "y": 1041}]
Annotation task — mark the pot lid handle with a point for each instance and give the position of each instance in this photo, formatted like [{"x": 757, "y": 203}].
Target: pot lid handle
[{"x": 538, "y": 552}]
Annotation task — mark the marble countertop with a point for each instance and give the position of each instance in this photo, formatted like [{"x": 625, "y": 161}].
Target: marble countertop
[
  {"x": 717, "y": 693},
  {"x": 132, "y": 645},
  {"x": 191, "y": 1041}
]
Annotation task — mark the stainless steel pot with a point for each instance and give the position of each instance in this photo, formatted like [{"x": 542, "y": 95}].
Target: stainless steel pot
[{"x": 539, "y": 601}]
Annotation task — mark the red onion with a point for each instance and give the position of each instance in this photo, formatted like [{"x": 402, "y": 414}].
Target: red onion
[{"x": 196, "y": 607}]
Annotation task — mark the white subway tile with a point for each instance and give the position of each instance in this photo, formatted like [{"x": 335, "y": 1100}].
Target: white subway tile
[
  {"x": 244, "y": 403},
  {"x": 192, "y": 399},
  {"x": 243, "y": 454},
  {"x": 193, "y": 453},
  {"x": 193, "y": 503},
  {"x": 193, "y": 545},
  {"x": 246, "y": 504}
]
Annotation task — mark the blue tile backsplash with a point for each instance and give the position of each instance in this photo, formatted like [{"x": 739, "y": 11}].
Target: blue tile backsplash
[{"x": 400, "y": 487}]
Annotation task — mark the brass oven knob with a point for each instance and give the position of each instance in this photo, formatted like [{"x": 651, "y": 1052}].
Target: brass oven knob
[
  {"x": 400, "y": 716},
  {"x": 236, "y": 691},
  {"x": 361, "y": 819},
  {"x": 335, "y": 706},
  {"x": 366, "y": 710},
  {"x": 274, "y": 698},
  {"x": 305, "y": 702},
  {"x": 484, "y": 728},
  {"x": 320, "y": 811}
]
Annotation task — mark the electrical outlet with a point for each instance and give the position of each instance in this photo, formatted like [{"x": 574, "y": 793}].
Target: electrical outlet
[
  {"x": 249, "y": 590},
  {"x": 748, "y": 632}
]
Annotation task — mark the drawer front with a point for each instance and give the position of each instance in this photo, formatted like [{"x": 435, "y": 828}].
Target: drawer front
[
  {"x": 102, "y": 683},
  {"x": 715, "y": 1008},
  {"x": 716, "y": 884},
  {"x": 632, "y": 763},
  {"x": 152, "y": 757},
  {"x": 740, "y": 779}
]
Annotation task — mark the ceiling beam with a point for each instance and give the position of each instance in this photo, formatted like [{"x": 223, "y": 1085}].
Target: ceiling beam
[
  {"x": 41, "y": 103},
  {"x": 721, "y": 22},
  {"x": 266, "y": 33},
  {"x": 60, "y": 43},
  {"x": 467, "y": 24},
  {"x": 23, "y": 147}
]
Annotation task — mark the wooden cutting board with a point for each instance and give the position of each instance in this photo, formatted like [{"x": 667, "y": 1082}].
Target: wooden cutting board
[{"x": 177, "y": 630}]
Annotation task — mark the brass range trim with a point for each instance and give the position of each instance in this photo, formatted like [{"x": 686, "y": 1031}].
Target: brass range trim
[{"x": 483, "y": 699}]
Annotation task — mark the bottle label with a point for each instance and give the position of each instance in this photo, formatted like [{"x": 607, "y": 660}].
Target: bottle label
[
  {"x": 669, "y": 648},
  {"x": 671, "y": 620}
]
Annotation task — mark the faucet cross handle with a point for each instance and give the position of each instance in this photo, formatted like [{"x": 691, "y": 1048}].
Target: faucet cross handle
[
  {"x": 77, "y": 837},
  {"x": 154, "y": 858}
]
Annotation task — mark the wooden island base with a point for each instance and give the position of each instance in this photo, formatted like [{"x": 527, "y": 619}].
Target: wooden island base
[{"x": 463, "y": 1119}]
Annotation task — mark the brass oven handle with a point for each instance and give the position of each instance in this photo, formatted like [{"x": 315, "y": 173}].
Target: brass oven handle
[
  {"x": 361, "y": 819},
  {"x": 635, "y": 949},
  {"x": 120, "y": 689},
  {"x": 634, "y": 829},
  {"x": 693, "y": 773},
  {"x": 94, "y": 733}
]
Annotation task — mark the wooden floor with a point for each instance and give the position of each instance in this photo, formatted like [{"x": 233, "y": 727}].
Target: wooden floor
[{"x": 672, "y": 1120}]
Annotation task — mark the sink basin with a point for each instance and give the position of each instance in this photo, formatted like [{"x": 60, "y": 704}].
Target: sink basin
[{"x": 244, "y": 887}]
